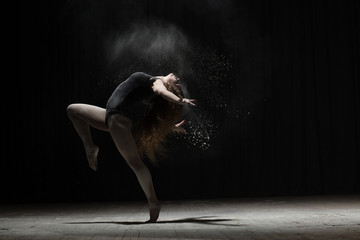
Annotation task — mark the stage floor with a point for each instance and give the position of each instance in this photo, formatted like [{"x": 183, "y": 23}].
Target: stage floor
[{"x": 317, "y": 217}]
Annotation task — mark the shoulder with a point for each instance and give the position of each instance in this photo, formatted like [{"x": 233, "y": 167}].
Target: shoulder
[
  {"x": 140, "y": 75},
  {"x": 158, "y": 86}
]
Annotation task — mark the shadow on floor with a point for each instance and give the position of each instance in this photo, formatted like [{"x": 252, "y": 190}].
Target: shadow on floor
[{"x": 197, "y": 220}]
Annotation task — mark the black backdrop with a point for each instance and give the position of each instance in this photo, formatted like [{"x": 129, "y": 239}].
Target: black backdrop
[{"x": 277, "y": 84}]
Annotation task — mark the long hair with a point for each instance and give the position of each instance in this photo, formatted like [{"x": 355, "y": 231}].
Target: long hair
[{"x": 150, "y": 134}]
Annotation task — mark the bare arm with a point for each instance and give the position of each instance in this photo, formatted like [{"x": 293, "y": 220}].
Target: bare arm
[{"x": 160, "y": 89}]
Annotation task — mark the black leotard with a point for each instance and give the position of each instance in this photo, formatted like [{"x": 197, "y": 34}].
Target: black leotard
[{"x": 132, "y": 98}]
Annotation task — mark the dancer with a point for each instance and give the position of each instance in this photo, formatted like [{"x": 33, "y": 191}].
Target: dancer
[{"x": 139, "y": 115}]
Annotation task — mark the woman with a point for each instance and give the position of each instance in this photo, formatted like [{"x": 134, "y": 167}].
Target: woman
[{"x": 139, "y": 114}]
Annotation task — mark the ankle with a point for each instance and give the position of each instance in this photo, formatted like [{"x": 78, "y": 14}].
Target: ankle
[
  {"x": 154, "y": 204},
  {"x": 89, "y": 146}
]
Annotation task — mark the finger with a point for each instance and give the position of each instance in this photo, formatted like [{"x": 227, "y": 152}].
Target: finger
[
  {"x": 182, "y": 131},
  {"x": 181, "y": 123},
  {"x": 192, "y": 102}
]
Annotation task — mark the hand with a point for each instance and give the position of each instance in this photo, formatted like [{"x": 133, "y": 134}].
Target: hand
[
  {"x": 178, "y": 129},
  {"x": 191, "y": 102}
]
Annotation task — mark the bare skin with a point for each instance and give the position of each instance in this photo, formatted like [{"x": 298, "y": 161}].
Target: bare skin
[
  {"x": 83, "y": 116},
  {"x": 160, "y": 89},
  {"x": 120, "y": 130}
]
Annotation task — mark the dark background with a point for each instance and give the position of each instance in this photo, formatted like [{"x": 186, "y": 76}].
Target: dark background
[{"x": 277, "y": 84}]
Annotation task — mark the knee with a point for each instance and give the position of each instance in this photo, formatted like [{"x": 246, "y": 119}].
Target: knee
[{"x": 72, "y": 109}]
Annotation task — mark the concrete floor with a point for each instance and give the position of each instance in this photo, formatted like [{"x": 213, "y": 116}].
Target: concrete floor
[{"x": 319, "y": 217}]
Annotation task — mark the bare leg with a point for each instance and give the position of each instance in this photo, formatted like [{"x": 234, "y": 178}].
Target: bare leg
[
  {"x": 120, "y": 130},
  {"x": 83, "y": 116}
]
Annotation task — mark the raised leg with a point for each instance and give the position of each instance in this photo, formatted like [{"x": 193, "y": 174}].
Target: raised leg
[
  {"x": 83, "y": 116},
  {"x": 120, "y": 130}
]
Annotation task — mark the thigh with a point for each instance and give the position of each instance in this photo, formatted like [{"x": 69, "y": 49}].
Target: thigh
[
  {"x": 120, "y": 130},
  {"x": 93, "y": 115}
]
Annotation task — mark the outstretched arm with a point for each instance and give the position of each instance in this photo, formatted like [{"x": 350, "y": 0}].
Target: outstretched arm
[{"x": 160, "y": 89}]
